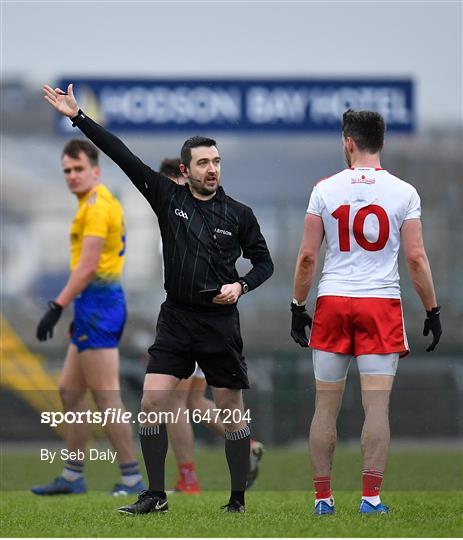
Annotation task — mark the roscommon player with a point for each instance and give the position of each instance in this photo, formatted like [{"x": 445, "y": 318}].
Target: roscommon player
[{"x": 92, "y": 362}]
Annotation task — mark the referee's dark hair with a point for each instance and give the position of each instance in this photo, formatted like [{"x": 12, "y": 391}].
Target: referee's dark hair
[
  {"x": 366, "y": 128},
  {"x": 75, "y": 146},
  {"x": 170, "y": 167},
  {"x": 194, "y": 142}
]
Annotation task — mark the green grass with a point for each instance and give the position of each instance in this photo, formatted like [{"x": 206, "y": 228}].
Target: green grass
[
  {"x": 268, "y": 514},
  {"x": 422, "y": 488}
]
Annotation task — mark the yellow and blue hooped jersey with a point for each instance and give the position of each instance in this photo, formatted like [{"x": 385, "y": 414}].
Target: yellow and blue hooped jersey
[{"x": 100, "y": 214}]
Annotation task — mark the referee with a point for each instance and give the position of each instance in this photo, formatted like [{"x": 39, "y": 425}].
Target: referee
[{"x": 204, "y": 232}]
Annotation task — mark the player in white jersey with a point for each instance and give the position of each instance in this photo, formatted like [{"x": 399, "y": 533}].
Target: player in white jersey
[{"x": 364, "y": 213}]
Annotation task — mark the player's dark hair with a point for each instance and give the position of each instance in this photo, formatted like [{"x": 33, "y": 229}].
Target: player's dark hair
[
  {"x": 170, "y": 167},
  {"x": 366, "y": 128},
  {"x": 75, "y": 146},
  {"x": 194, "y": 142}
]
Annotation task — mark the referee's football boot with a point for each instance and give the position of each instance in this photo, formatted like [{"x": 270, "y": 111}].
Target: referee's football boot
[
  {"x": 255, "y": 456},
  {"x": 61, "y": 486},
  {"x": 119, "y": 490},
  {"x": 145, "y": 504},
  {"x": 368, "y": 508},
  {"x": 233, "y": 507},
  {"x": 324, "y": 508}
]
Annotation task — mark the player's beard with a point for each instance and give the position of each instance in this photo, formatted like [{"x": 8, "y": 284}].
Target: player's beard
[{"x": 347, "y": 157}]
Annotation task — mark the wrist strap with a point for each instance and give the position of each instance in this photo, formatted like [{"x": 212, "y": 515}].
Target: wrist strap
[
  {"x": 297, "y": 303},
  {"x": 78, "y": 118},
  {"x": 297, "y": 309},
  {"x": 244, "y": 285},
  {"x": 434, "y": 312},
  {"x": 55, "y": 307}
]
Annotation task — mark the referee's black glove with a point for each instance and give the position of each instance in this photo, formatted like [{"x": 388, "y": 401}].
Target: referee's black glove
[
  {"x": 299, "y": 320},
  {"x": 48, "y": 321},
  {"x": 432, "y": 323}
]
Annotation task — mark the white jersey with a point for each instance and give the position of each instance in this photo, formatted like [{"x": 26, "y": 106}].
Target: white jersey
[{"x": 363, "y": 210}]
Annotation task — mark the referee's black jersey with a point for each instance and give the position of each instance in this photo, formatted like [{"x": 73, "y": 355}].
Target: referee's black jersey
[{"x": 201, "y": 239}]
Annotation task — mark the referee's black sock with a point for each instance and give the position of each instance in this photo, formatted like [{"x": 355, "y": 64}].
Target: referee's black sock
[
  {"x": 237, "y": 450},
  {"x": 153, "y": 440}
]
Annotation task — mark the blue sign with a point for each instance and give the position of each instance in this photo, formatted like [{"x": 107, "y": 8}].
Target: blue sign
[{"x": 267, "y": 105}]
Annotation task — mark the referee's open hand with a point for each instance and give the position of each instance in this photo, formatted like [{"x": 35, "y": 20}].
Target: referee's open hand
[
  {"x": 64, "y": 102},
  {"x": 229, "y": 294},
  {"x": 299, "y": 320}
]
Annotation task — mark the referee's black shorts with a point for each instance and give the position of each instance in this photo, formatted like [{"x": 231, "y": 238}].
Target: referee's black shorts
[{"x": 210, "y": 338}]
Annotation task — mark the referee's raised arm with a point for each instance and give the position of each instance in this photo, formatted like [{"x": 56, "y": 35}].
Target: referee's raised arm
[{"x": 142, "y": 176}]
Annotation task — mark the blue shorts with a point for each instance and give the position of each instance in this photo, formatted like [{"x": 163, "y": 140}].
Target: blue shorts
[{"x": 99, "y": 317}]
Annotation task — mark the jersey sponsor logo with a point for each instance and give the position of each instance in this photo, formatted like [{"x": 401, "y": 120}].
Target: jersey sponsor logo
[
  {"x": 181, "y": 213},
  {"x": 222, "y": 231},
  {"x": 362, "y": 180}
]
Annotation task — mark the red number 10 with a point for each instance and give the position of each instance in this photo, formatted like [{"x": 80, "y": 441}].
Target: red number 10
[{"x": 342, "y": 214}]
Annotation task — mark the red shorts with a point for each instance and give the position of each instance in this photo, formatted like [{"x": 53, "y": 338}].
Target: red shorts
[{"x": 357, "y": 326}]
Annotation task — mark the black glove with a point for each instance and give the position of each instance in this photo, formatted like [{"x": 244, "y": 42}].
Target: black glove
[
  {"x": 299, "y": 320},
  {"x": 48, "y": 321},
  {"x": 432, "y": 323}
]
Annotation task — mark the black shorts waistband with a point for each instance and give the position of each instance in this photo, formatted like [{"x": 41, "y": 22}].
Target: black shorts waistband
[{"x": 213, "y": 308}]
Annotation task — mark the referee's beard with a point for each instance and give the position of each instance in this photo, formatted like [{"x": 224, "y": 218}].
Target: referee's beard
[{"x": 206, "y": 186}]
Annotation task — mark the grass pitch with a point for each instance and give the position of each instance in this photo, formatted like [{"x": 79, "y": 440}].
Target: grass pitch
[
  {"x": 425, "y": 509},
  {"x": 268, "y": 514}
]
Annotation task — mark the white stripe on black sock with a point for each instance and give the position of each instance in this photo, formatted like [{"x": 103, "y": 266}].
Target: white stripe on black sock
[
  {"x": 238, "y": 435},
  {"x": 149, "y": 430}
]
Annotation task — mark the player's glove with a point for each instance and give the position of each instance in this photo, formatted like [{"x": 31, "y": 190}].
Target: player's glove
[
  {"x": 299, "y": 320},
  {"x": 432, "y": 323},
  {"x": 48, "y": 321}
]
